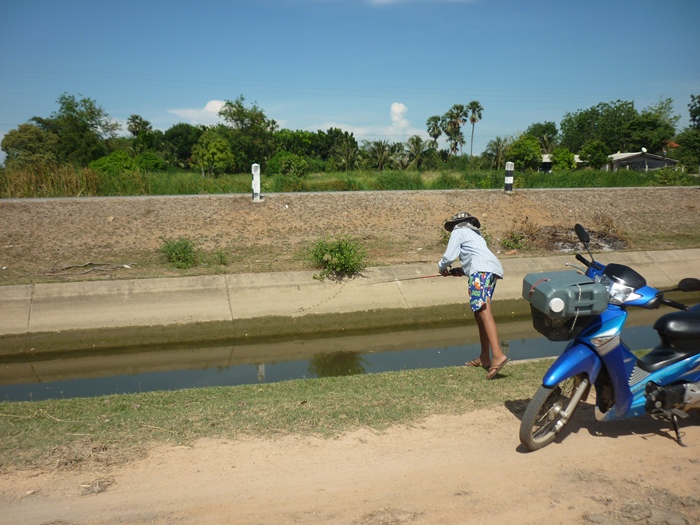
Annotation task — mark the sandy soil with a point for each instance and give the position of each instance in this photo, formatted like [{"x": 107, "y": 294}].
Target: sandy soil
[
  {"x": 464, "y": 469},
  {"x": 448, "y": 469}
]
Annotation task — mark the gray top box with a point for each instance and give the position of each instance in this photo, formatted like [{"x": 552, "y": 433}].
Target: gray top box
[{"x": 564, "y": 294}]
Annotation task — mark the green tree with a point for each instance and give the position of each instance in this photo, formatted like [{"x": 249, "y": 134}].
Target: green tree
[
  {"x": 416, "y": 152},
  {"x": 288, "y": 164},
  {"x": 476, "y": 112},
  {"x": 302, "y": 143},
  {"x": 252, "y": 133},
  {"x": 607, "y": 122},
  {"x": 379, "y": 153},
  {"x": 563, "y": 160},
  {"x": 497, "y": 150},
  {"x": 179, "y": 141},
  {"x": 212, "y": 153},
  {"x": 451, "y": 125},
  {"x": 144, "y": 137},
  {"x": 593, "y": 154},
  {"x": 434, "y": 131},
  {"x": 546, "y": 134},
  {"x": 29, "y": 144},
  {"x": 344, "y": 152},
  {"x": 82, "y": 127},
  {"x": 525, "y": 153},
  {"x": 136, "y": 125},
  {"x": 694, "y": 108},
  {"x": 688, "y": 154},
  {"x": 115, "y": 164},
  {"x": 649, "y": 130}
]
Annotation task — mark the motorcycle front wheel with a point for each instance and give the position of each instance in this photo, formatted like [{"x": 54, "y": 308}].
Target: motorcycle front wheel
[{"x": 550, "y": 410}]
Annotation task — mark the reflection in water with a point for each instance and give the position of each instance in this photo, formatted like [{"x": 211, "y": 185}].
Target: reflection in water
[
  {"x": 337, "y": 364},
  {"x": 127, "y": 371}
]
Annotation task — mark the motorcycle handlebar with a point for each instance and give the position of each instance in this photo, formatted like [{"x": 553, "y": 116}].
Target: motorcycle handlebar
[
  {"x": 580, "y": 258},
  {"x": 674, "y": 304}
]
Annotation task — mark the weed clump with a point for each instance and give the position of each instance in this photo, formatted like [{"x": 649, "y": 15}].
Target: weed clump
[
  {"x": 337, "y": 257},
  {"x": 181, "y": 252}
]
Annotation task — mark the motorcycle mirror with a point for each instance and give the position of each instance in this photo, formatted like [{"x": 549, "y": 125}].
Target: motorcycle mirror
[
  {"x": 584, "y": 238},
  {"x": 689, "y": 284},
  {"x": 582, "y": 234}
]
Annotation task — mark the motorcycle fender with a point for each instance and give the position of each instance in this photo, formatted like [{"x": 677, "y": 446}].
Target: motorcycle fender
[{"x": 575, "y": 360}]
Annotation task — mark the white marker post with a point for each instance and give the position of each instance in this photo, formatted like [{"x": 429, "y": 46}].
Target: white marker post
[
  {"x": 255, "y": 169},
  {"x": 509, "y": 177}
]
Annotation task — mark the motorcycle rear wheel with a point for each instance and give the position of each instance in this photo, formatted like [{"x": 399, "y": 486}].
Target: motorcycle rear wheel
[{"x": 550, "y": 410}]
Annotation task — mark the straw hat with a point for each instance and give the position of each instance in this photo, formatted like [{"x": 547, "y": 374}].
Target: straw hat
[{"x": 462, "y": 216}]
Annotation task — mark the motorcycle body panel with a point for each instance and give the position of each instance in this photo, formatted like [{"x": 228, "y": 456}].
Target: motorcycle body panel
[{"x": 600, "y": 347}]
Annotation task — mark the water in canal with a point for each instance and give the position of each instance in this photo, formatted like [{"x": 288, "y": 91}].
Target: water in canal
[{"x": 85, "y": 374}]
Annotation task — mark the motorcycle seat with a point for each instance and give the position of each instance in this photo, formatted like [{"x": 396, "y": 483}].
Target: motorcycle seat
[
  {"x": 680, "y": 325},
  {"x": 680, "y": 338}
]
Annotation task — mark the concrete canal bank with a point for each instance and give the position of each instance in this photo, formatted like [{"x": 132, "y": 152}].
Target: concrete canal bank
[{"x": 59, "y": 317}]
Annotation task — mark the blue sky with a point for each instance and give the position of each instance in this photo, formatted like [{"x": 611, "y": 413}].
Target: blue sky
[{"x": 378, "y": 68}]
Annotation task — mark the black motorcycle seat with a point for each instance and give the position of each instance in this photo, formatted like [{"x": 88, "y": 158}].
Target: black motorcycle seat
[
  {"x": 680, "y": 338},
  {"x": 680, "y": 325}
]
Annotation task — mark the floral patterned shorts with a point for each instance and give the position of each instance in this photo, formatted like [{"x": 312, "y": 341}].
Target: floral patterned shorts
[{"x": 481, "y": 287}]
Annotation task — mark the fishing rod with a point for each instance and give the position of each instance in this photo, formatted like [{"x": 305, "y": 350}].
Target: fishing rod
[{"x": 454, "y": 272}]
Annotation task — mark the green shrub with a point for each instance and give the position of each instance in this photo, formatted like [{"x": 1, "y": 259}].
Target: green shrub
[
  {"x": 288, "y": 164},
  {"x": 180, "y": 252},
  {"x": 114, "y": 164},
  {"x": 514, "y": 240},
  {"x": 671, "y": 177},
  {"x": 149, "y": 161},
  {"x": 339, "y": 256}
]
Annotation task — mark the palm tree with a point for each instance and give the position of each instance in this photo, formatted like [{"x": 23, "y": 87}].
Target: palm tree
[
  {"x": 497, "y": 150},
  {"x": 380, "y": 152},
  {"x": 451, "y": 124},
  {"x": 136, "y": 125},
  {"x": 415, "y": 150},
  {"x": 476, "y": 111},
  {"x": 434, "y": 131}
]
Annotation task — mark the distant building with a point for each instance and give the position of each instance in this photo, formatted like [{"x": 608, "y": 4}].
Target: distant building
[
  {"x": 638, "y": 161},
  {"x": 546, "y": 164}
]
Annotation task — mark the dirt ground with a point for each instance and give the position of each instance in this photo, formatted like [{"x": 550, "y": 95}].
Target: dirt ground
[
  {"x": 119, "y": 238},
  {"x": 447, "y": 469}
]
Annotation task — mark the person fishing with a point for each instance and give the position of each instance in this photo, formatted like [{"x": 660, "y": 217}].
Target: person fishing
[{"x": 483, "y": 269}]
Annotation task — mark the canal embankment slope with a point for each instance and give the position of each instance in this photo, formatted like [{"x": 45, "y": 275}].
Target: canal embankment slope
[{"x": 52, "y": 317}]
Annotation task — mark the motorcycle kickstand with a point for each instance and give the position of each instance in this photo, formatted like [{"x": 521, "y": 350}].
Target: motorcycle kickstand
[{"x": 674, "y": 420}]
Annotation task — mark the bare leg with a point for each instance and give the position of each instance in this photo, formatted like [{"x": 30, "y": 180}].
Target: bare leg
[
  {"x": 488, "y": 334},
  {"x": 485, "y": 356}
]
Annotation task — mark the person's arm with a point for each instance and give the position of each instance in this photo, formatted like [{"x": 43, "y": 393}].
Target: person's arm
[{"x": 451, "y": 253}]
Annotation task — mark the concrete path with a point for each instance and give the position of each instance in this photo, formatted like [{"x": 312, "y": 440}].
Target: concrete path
[{"x": 243, "y": 302}]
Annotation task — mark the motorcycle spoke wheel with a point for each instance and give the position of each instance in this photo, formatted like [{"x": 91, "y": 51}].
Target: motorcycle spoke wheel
[{"x": 550, "y": 411}]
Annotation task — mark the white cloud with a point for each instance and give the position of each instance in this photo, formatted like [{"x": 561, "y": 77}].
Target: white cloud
[
  {"x": 398, "y": 116},
  {"x": 399, "y": 130},
  {"x": 207, "y": 116}
]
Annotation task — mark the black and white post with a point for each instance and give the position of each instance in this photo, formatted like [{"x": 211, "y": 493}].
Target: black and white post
[
  {"x": 509, "y": 177},
  {"x": 255, "y": 169}
]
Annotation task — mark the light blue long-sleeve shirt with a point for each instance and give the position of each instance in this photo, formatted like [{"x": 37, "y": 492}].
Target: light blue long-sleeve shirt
[{"x": 474, "y": 255}]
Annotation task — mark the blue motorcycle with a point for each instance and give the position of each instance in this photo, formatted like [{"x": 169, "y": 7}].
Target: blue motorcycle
[{"x": 589, "y": 308}]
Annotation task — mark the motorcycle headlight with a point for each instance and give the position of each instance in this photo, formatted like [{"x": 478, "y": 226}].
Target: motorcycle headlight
[{"x": 619, "y": 293}]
